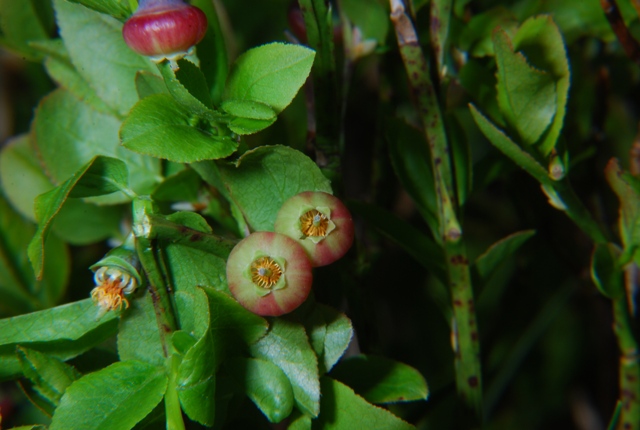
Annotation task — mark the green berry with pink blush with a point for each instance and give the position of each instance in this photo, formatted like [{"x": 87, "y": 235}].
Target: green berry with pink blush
[
  {"x": 319, "y": 222},
  {"x": 269, "y": 273}
]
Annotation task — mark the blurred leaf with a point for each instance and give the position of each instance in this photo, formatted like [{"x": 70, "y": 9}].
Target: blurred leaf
[
  {"x": 148, "y": 84},
  {"x": 138, "y": 333},
  {"x": 606, "y": 272},
  {"x": 270, "y": 74},
  {"x": 475, "y": 36},
  {"x": 19, "y": 289},
  {"x": 265, "y": 384},
  {"x": 286, "y": 345},
  {"x": 101, "y": 175},
  {"x": 577, "y": 18},
  {"x": 541, "y": 42},
  {"x": 49, "y": 377},
  {"x": 68, "y": 133},
  {"x": 342, "y": 409},
  {"x": 615, "y": 418},
  {"x": 370, "y": 16},
  {"x": 23, "y": 180},
  {"x": 66, "y": 76},
  {"x": 24, "y": 21},
  {"x": 510, "y": 148},
  {"x": 418, "y": 245},
  {"x": 527, "y": 97},
  {"x": 215, "y": 64},
  {"x": 180, "y": 187},
  {"x": 411, "y": 161},
  {"x": 117, "y": 397},
  {"x": 330, "y": 333},
  {"x": 160, "y": 127},
  {"x": 63, "y": 332},
  {"x": 265, "y": 177},
  {"x": 118, "y": 9},
  {"x": 489, "y": 261},
  {"x": 381, "y": 380},
  {"x": 627, "y": 189},
  {"x": 299, "y": 421},
  {"x": 22, "y": 176},
  {"x": 99, "y": 53}
]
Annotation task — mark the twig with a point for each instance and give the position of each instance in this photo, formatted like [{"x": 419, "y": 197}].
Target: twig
[
  {"x": 629, "y": 44},
  {"x": 464, "y": 331}
]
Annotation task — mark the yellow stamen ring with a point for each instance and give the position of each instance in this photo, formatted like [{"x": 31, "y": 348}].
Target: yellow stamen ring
[
  {"x": 314, "y": 223},
  {"x": 265, "y": 272}
]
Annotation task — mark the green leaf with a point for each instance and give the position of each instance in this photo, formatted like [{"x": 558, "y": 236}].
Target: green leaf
[
  {"x": 265, "y": 384},
  {"x": 248, "y": 109},
  {"x": 527, "y": 97},
  {"x": 265, "y": 177},
  {"x": 605, "y": 271},
  {"x": 286, "y": 345},
  {"x": 381, "y": 380},
  {"x": 19, "y": 289},
  {"x": 342, "y": 409},
  {"x": 24, "y": 21},
  {"x": 64, "y": 332},
  {"x": 542, "y": 43},
  {"x": 160, "y": 127},
  {"x": 68, "y": 133},
  {"x": 244, "y": 126},
  {"x": 197, "y": 380},
  {"x": 187, "y": 85},
  {"x": 190, "y": 267},
  {"x": 138, "y": 333},
  {"x": 330, "y": 333},
  {"x": 193, "y": 312},
  {"x": 49, "y": 377},
  {"x": 234, "y": 328},
  {"x": 119, "y": 9},
  {"x": 101, "y": 175},
  {"x": 99, "y": 53},
  {"x": 489, "y": 261},
  {"x": 411, "y": 160},
  {"x": 116, "y": 397},
  {"x": 270, "y": 74},
  {"x": 510, "y": 148}
]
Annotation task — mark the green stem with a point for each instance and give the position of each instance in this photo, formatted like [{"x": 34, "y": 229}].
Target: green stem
[
  {"x": 161, "y": 228},
  {"x": 171, "y": 400},
  {"x": 327, "y": 136},
  {"x": 152, "y": 266},
  {"x": 629, "y": 373},
  {"x": 464, "y": 336}
]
